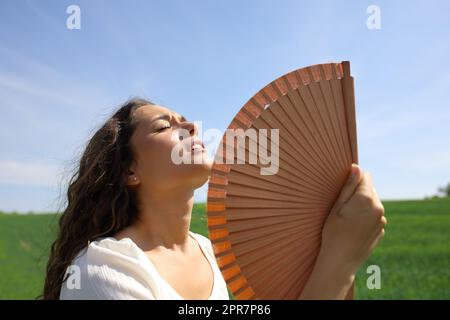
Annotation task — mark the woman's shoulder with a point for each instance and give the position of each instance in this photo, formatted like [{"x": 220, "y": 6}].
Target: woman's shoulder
[
  {"x": 200, "y": 236},
  {"x": 109, "y": 269},
  {"x": 220, "y": 292},
  {"x": 204, "y": 242}
]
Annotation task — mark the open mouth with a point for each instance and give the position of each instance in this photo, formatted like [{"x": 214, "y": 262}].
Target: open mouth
[{"x": 198, "y": 146}]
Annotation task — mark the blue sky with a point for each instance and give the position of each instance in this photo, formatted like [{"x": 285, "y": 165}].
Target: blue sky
[{"x": 205, "y": 59}]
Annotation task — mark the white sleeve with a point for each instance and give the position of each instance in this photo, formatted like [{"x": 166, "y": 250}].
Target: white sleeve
[
  {"x": 206, "y": 242},
  {"x": 105, "y": 278}
]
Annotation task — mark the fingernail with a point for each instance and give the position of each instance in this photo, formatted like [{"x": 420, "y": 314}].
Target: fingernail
[{"x": 354, "y": 170}]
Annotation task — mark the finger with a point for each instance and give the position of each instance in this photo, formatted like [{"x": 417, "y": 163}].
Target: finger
[
  {"x": 381, "y": 235},
  {"x": 366, "y": 185},
  {"x": 384, "y": 221},
  {"x": 377, "y": 197},
  {"x": 376, "y": 236},
  {"x": 379, "y": 229},
  {"x": 363, "y": 196},
  {"x": 374, "y": 191},
  {"x": 377, "y": 239},
  {"x": 350, "y": 186}
]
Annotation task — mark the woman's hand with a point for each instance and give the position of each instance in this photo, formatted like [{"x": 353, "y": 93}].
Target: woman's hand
[
  {"x": 351, "y": 232},
  {"x": 356, "y": 222}
]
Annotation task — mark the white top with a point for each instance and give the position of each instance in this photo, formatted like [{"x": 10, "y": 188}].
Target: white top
[{"x": 118, "y": 269}]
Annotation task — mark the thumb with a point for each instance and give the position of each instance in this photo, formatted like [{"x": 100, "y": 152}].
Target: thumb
[{"x": 349, "y": 188}]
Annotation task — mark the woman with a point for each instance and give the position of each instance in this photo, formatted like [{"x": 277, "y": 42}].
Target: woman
[{"x": 125, "y": 231}]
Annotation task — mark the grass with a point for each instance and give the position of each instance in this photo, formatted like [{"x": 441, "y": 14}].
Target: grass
[
  {"x": 24, "y": 244},
  {"x": 414, "y": 256}
]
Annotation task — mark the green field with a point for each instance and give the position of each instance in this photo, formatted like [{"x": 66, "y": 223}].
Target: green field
[{"x": 414, "y": 256}]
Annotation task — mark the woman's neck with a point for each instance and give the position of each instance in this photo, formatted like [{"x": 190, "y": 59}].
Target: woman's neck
[{"x": 164, "y": 220}]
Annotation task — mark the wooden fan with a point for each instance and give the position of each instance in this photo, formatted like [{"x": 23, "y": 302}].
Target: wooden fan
[{"x": 266, "y": 229}]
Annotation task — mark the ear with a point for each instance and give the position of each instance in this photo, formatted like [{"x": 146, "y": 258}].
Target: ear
[{"x": 132, "y": 177}]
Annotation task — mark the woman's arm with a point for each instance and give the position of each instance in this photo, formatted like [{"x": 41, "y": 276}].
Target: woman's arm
[{"x": 352, "y": 230}]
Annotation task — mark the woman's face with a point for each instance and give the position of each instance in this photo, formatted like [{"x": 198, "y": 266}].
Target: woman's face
[{"x": 162, "y": 138}]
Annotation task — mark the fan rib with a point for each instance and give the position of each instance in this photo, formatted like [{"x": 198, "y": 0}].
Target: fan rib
[
  {"x": 284, "y": 165},
  {"x": 285, "y": 106},
  {"x": 322, "y": 108},
  {"x": 349, "y": 98},
  {"x": 265, "y": 230},
  {"x": 280, "y": 123},
  {"x": 331, "y": 106}
]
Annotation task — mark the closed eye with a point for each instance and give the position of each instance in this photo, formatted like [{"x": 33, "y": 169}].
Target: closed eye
[{"x": 163, "y": 128}]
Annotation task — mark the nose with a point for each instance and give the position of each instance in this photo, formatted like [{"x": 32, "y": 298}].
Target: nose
[{"x": 191, "y": 127}]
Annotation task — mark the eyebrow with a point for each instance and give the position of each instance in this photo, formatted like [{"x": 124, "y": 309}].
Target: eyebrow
[{"x": 167, "y": 117}]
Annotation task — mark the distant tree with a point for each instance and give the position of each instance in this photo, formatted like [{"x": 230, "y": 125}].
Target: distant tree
[{"x": 445, "y": 190}]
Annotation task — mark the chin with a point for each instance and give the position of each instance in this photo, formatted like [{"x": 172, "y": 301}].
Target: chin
[
  {"x": 192, "y": 175},
  {"x": 201, "y": 173}
]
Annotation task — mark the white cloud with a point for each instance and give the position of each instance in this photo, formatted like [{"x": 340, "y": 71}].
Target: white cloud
[
  {"x": 421, "y": 109},
  {"x": 24, "y": 87},
  {"x": 22, "y": 62},
  {"x": 29, "y": 173},
  {"x": 428, "y": 161}
]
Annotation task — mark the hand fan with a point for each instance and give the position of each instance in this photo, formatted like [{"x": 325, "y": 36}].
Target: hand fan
[{"x": 265, "y": 228}]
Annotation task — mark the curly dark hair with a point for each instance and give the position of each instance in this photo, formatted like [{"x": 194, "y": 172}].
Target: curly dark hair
[{"x": 99, "y": 202}]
